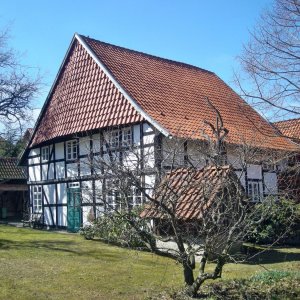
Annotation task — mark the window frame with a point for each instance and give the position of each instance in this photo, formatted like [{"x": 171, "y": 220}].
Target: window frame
[
  {"x": 127, "y": 132},
  {"x": 254, "y": 191},
  {"x": 73, "y": 146},
  {"x": 37, "y": 199},
  {"x": 45, "y": 155}
]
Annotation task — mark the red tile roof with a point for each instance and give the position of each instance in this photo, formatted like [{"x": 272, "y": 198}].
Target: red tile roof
[
  {"x": 83, "y": 98},
  {"x": 290, "y": 128},
  {"x": 172, "y": 94},
  {"x": 9, "y": 169},
  {"x": 188, "y": 192}
]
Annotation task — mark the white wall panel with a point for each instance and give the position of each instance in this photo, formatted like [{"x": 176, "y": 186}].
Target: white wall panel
[
  {"x": 85, "y": 167},
  {"x": 62, "y": 216},
  {"x": 84, "y": 145},
  {"x": 270, "y": 181},
  {"x": 148, "y": 139},
  {"x": 149, "y": 158},
  {"x": 35, "y": 160},
  {"x": 72, "y": 170},
  {"x": 62, "y": 193},
  {"x": 254, "y": 172},
  {"x": 87, "y": 191},
  {"x": 48, "y": 218},
  {"x": 49, "y": 192},
  {"x": 34, "y": 152},
  {"x": 99, "y": 210},
  {"x": 173, "y": 152},
  {"x": 136, "y": 134},
  {"x": 34, "y": 173},
  {"x": 98, "y": 191},
  {"x": 96, "y": 142},
  {"x": 241, "y": 177},
  {"x": 87, "y": 215},
  {"x": 59, "y": 151},
  {"x": 44, "y": 172},
  {"x": 234, "y": 161},
  {"x": 147, "y": 128},
  {"x": 60, "y": 169},
  {"x": 195, "y": 154}
]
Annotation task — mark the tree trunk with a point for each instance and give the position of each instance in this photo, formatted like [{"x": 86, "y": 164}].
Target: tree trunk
[{"x": 188, "y": 274}]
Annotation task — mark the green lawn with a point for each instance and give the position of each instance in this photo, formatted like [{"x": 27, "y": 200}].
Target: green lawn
[{"x": 47, "y": 265}]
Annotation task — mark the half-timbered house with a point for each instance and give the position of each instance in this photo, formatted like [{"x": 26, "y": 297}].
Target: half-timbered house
[{"x": 105, "y": 94}]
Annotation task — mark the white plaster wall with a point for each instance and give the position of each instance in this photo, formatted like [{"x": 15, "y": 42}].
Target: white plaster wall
[
  {"x": 241, "y": 177},
  {"x": 35, "y": 160},
  {"x": 46, "y": 175},
  {"x": 84, "y": 145},
  {"x": 131, "y": 159},
  {"x": 148, "y": 139},
  {"x": 62, "y": 193},
  {"x": 147, "y": 128},
  {"x": 195, "y": 154},
  {"x": 47, "y": 216},
  {"x": 173, "y": 149},
  {"x": 49, "y": 192},
  {"x": 72, "y": 170},
  {"x": 98, "y": 191},
  {"x": 86, "y": 211},
  {"x": 34, "y": 152},
  {"x": 99, "y": 210},
  {"x": 254, "y": 172},
  {"x": 59, "y": 151},
  {"x": 60, "y": 169},
  {"x": 87, "y": 191},
  {"x": 34, "y": 173},
  {"x": 149, "y": 183},
  {"x": 270, "y": 181},
  {"x": 62, "y": 215},
  {"x": 96, "y": 143},
  {"x": 136, "y": 134},
  {"x": 234, "y": 161},
  {"x": 85, "y": 167},
  {"x": 149, "y": 158}
]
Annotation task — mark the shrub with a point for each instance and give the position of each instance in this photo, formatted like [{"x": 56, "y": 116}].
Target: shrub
[
  {"x": 280, "y": 225},
  {"x": 114, "y": 229}
]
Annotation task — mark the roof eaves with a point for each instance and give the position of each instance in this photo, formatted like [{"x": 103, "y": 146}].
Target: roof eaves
[{"x": 120, "y": 88}]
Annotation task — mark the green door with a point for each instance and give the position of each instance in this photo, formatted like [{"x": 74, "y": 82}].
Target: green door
[{"x": 74, "y": 209}]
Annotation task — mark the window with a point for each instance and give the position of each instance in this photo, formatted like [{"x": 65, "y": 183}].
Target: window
[
  {"x": 126, "y": 137},
  {"x": 113, "y": 138},
  {"x": 45, "y": 153},
  {"x": 254, "y": 191},
  {"x": 37, "y": 199},
  {"x": 134, "y": 198},
  {"x": 71, "y": 150},
  {"x": 269, "y": 167},
  {"x": 74, "y": 185}
]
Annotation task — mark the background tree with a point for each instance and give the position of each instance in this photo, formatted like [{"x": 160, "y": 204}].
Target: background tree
[
  {"x": 17, "y": 90},
  {"x": 270, "y": 61}
]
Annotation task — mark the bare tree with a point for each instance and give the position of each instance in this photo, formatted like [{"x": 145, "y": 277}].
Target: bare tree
[
  {"x": 270, "y": 61},
  {"x": 199, "y": 211},
  {"x": 17, "y": 87}
]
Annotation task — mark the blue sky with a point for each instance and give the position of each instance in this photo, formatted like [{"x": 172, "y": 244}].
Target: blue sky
[{"x": 208, "y": 34}]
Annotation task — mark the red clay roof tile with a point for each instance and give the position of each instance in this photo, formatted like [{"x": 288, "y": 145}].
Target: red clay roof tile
[
  {"x": 290, "y": 128},
  {"x": 187, "y": 193},
  {"x": 171, "y": 93}
]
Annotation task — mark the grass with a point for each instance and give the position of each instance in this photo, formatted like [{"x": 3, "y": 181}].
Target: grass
[{"x": 48, "y": 265}]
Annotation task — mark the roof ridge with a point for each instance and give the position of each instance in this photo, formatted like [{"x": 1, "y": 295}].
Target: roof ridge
[{"x": 152, "y": 56}]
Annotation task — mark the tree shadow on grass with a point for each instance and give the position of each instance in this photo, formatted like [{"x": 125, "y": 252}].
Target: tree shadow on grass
[
  {"x": 59, "y": 246},
  {"x": 271, "y": 256}
]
